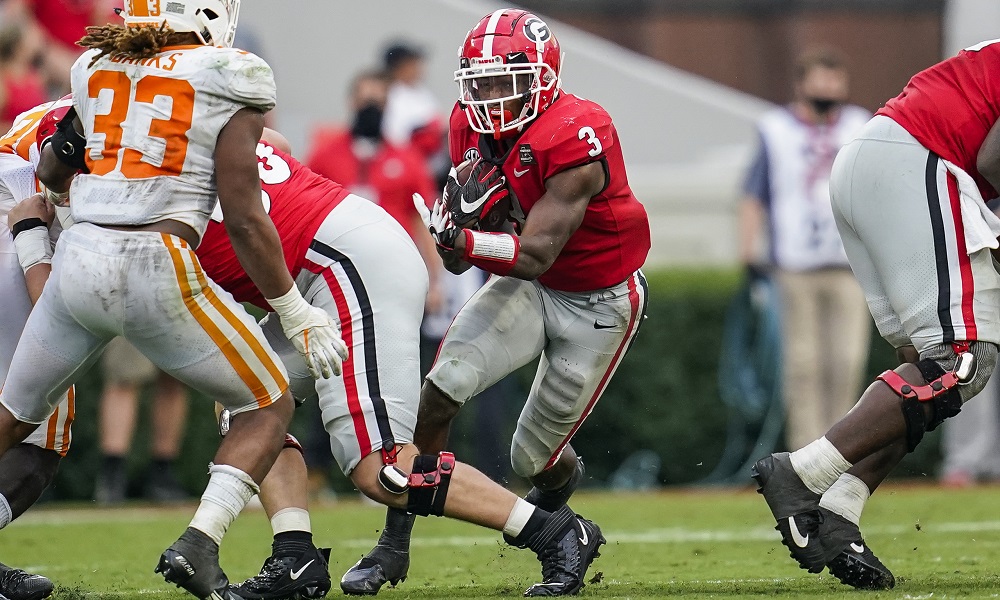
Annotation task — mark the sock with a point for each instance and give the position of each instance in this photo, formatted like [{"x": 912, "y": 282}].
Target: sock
[
  {"x": 291, "y": 543},
  {"x": 162, "y": 466},
  {"x": 5, "y": 515},
  {"x": 228, "y": 491},
  {"x": 819, "y": 464},
  {"x": 846, "y": 497},
  {"x": 525, "y": 520},
  {"x": 291, "y": 519},
  {"x": 113, "y": 464}
]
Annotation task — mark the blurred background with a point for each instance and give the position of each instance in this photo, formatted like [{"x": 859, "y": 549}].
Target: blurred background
[{"x": 686, "y": 81}]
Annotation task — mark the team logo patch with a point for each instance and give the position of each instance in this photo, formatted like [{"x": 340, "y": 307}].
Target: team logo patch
[
  {"x": 537, "y": 31},
  {"x": 525, "y": 154},
  {"x": 472, "y": 154}
]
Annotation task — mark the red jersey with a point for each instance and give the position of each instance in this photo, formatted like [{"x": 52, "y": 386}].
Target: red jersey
[
  {"x": 951, "y": 106},
  {"x": 389, "y": 178},
  {"x": 297, "y": 200},
  {"x": 613, "y": 240}
]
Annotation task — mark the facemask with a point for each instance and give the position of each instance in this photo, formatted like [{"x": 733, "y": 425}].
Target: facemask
[
  {"x": 823, "y": 105},
  {"x": 368, "y": 122}
]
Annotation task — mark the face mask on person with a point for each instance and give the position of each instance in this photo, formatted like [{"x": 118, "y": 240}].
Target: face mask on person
[
  {"x": 823, "y": 105},
  {"x": 368, "y": 122}
]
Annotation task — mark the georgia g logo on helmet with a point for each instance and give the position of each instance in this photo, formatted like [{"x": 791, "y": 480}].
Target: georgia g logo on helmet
[{"x": 537, "y": 31}]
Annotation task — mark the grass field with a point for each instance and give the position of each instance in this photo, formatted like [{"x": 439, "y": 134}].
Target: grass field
[{"x": 695, "y": 544}]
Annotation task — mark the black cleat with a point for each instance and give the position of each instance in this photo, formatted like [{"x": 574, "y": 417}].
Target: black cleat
[
  {"x": 566, "y": 546},
  {"x": 302, "y": 577},
  {"x": 15, "y": 584},
  {"x": 384, "y": 564},
  {"x": 795, "y": 507},
  {"x": 848, "y": 557},
  {"x": 192, "y": 562},
  {"x": 553, "y": 500}
]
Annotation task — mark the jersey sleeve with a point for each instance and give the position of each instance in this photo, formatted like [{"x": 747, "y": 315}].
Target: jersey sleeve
[
  {"x": 456, "y": 125},
  {"x": 583, "y": 138},
  {"x": 246, "y": 79},
  {"x": 758, "y": 181}
]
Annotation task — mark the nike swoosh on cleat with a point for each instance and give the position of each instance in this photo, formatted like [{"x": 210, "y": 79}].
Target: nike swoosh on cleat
[
  {"x": 296, "y": 574},
  {"x": 859, "y": 548},
  {"x": 800, "y": 540},
  {"x": 585, "y": 538}
]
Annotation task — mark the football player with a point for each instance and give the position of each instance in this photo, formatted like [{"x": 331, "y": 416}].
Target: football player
[
  {"x": 356, "y": 262},
  {"x": 566, "y": 284},
  {"x": 908, "y": 195},
  {"x": 171, "y": 116}
]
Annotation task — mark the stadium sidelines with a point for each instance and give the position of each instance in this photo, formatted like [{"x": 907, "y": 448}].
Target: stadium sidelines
[{"x": 669, "y": 535}]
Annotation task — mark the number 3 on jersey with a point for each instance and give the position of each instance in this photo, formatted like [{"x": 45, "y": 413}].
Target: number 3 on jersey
[
  {"x": 272, "y": 169},
  {"x": 167, "y": 150},
  {"x": 590, "y": 136}
]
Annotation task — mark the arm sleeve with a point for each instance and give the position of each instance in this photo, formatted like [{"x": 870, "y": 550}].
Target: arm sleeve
[{"x": 758, "y": 182}]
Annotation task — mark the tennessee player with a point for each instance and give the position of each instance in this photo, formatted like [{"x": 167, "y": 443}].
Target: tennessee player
[
  {"x": 908, "y": 195},
  {"x": 567, "y": 286},
  {"x": 171, "y": 117}
]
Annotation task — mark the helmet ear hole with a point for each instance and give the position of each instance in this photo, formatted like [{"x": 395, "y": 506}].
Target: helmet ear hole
[{"x": 209, "y": 13}]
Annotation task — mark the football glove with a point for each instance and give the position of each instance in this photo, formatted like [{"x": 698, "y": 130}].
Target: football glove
[
  {"x": 471, "y": 201},
  {"x": 438, "y": 221},
  {"x": 313, "y": 333}
]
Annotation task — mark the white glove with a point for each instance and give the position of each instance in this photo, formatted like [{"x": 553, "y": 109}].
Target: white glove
[
  {"x": 313, "y": 333},
  {"x": 438, "y": 221}
]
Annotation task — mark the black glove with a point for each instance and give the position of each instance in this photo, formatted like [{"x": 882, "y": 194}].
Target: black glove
[{"x": 469, "y": 203}]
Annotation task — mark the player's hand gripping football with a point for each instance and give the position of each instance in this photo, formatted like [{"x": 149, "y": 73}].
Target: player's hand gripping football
[
  {"x": 313, "y": 333},
  {"x": 473, "y": 188},
  {"x": 438, "y": 221}
]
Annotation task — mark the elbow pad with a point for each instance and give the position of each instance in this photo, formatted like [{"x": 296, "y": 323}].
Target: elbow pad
[{"x": 68, "y": 145}]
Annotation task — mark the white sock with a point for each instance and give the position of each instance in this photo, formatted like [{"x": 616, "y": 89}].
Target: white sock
[
  {"x": 228, "y": 491},
  {"x": 291, "y": 519},
  {"x": 5, "y": 514},
  {"x": 819, "y": 464},
  {"x": 846, "y": 497},
  {"x": 518, "y": 518}
]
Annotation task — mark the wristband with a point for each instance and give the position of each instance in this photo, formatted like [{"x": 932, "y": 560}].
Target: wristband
[
  {"x": 290, "y": 305},
  {"x": 56, "y": 198},
  {"x": 492, "y": 252},
  {"x": 26, "y": 224},
  {"x": 33, "y": 247}
]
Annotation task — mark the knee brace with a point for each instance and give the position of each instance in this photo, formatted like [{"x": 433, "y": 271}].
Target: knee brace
[
  {"x": 941, "y": 390},
  {"x": 428, "y": 483}
]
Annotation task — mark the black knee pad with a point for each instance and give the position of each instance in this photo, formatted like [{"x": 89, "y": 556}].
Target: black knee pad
[
  {"x": 944, "y": 405},
  {"x": 429, "y": 482}
]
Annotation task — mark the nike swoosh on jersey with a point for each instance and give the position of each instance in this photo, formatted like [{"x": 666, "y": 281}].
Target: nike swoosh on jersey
[
  {"x": 599, "y": 325},
  {"x": 797, "y": 537},
  {"x": 519, "y": 173},
  {"x": 296, "y": 574},
  {"x": 472, "y": 207}
]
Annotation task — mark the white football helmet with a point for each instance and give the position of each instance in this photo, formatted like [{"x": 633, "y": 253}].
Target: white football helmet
[{"x": 213, "y": 21}]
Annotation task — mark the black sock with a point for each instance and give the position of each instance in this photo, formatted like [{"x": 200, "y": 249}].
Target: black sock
[
  {"x": 398, "y": 526},
  {"x": 113, "y": 464},
  {"x": 535, "y": 523},
  {"x": 162, "y": 466},
  {"x": 291, "y": 543}
]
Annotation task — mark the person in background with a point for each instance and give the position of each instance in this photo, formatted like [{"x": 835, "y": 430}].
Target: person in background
[
  {"x": 125, "y": 372},
  {"x": 825, "y": 321},
  {"x": 21, "y": 84},
  {"x": 412, "y": 115}
]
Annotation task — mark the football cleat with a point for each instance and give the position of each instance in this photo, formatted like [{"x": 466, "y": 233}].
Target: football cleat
[
  {"x": 302, "y": 577},
  {"x": 384, "y": 564},
  {"x": 795, "y": 507},
  {"x": 566, "y": 546},
  {"x": 553, "y": 500},
  {"x": 192, "y": 563},
  {"x": 849, "y": 559},
  {"x": 15, "y": 584}
]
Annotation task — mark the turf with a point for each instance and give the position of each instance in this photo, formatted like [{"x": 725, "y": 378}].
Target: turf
[{"x": 696, "y": 544}]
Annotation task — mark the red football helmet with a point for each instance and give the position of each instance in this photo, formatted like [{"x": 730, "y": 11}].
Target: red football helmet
[
  {"x": 47, "y": 125},
  {"x": 509, "y": 55}
]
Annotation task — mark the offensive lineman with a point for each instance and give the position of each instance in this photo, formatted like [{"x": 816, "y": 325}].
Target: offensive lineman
[
  {"x": 567, "y": 287},
  {"x": 130, "y": 270},
  {"x": 908, "y": 195}
]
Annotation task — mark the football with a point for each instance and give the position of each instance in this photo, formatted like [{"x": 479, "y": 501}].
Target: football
[{"x": 496, "y": 213}]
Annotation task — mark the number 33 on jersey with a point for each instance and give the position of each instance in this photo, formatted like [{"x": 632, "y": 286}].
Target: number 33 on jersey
[{"x": 147, "y": 161}]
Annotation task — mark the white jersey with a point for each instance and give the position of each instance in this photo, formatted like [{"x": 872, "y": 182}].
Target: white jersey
[
  {"x": 147, "y": 162},
  {"x": 792, "y": 178}
]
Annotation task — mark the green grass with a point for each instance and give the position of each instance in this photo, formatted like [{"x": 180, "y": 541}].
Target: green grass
[{"x": 699, "y": 544}]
